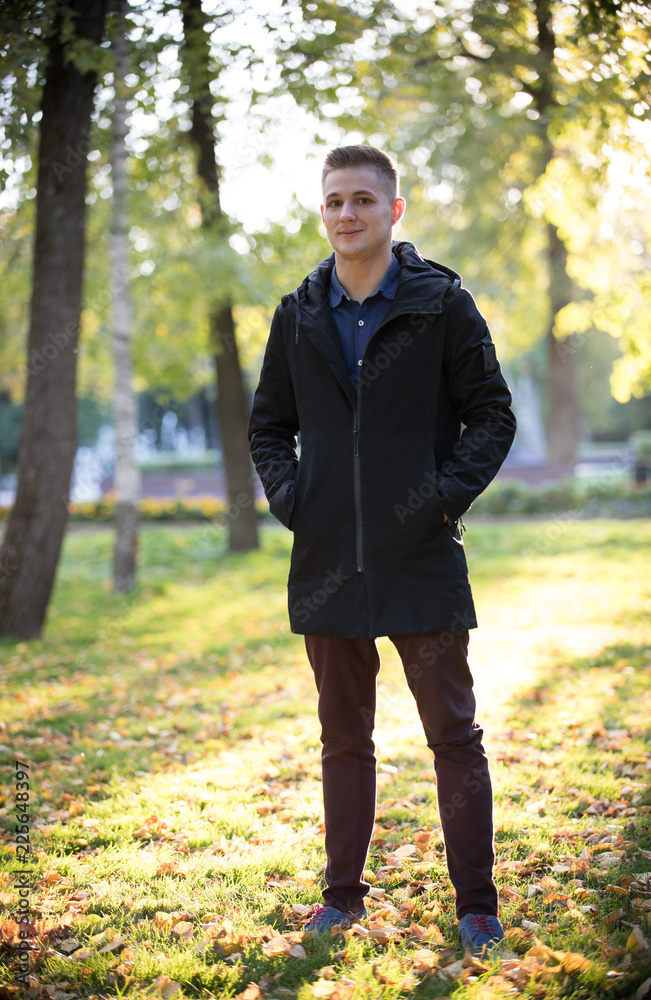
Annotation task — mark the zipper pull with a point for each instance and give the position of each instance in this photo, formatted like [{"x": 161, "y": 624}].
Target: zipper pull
[
  {"x": 298, "y": 314},
  {"x": 356, "y": 441}
]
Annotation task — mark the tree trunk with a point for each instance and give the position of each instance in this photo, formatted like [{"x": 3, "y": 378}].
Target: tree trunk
[
  {"x": 233, "y": 414},
  {"x": 127, "y": 473},
  {"x": 562, "y": 412},
  {"x": 32, "y": 543},
  {"x": 562, "y": 423},
  {"x": 232, "y": 402}
]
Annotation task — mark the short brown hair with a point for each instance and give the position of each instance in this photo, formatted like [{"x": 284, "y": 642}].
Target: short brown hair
[{"x": 363, "y": 156}]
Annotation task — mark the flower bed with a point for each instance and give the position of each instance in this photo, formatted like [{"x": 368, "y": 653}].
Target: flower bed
[{"x": 577, "y": 497}]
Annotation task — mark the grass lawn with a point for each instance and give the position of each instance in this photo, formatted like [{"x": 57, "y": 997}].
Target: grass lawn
[{"x": 174, "y": 781}]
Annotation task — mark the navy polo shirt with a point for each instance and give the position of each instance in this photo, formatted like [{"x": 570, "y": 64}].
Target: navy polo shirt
[{"x": 356, "y": 322}]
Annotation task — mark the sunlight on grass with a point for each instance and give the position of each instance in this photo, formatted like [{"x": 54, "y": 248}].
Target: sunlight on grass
[{"x": 175, "y": 794}]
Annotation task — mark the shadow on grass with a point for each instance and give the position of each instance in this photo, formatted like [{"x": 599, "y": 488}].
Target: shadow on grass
[
  {"x": 583, "y": 734},
  {"x": 615, "y": 701}
]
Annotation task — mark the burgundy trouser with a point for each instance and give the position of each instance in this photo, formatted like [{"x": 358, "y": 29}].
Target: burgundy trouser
[{"x": 436, "y": 667}]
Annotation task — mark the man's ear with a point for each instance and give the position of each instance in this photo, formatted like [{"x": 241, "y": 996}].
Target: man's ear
[
  {"x": 322, "y": 219},
  {"x": 399, "y": 206}
]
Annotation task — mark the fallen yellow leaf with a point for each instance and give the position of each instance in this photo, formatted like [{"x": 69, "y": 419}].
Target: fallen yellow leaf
[
  {"x": 51, "y": 878},
  {"x": 636, "y": 941},
  {"x": 511, "y": 895},
  {"x": 166, "y": 987},
  {"x": 183, "y": 929},
  {"x": 252, "y": 992},
  {"x": 277, "y": 946},
  {"x": 573, "y": 962},
  {"x": 166, "y": 921},
  {"x": 405, "y": 851},
  {"x": 323, "y": 988},
  {"x": 382, "y": 933},
  {"x": 423, "y": 960},
  {"x": 67, "y": 947},
  {"x": 344, "y": 990},
  {"x": 112, "y": 946},
  {"x": 228, "y": 939},
  {"x": 305, "y": 877}
]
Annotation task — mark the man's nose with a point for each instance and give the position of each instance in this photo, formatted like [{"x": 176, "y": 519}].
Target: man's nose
[{"x": 348, "y": 210}]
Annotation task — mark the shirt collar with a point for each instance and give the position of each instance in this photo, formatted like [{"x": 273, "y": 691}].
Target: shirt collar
[{"x": 387, "y": 287}]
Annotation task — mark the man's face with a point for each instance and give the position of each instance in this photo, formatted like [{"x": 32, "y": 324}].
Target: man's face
[{"x": 358, "y": 212}]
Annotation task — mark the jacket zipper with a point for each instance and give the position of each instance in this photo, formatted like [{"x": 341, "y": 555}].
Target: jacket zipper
[
  {"x": 357, "y": 480},
  {"x": 357, "y": 477}
]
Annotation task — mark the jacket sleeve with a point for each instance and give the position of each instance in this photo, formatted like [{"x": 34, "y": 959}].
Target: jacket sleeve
[
  {"x": 482, "y": 400},
  {"x": 273, "y": 426}
]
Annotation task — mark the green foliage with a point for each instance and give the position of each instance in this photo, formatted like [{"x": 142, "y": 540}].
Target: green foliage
[
  {"x": 641, "y": 441},
  {"x": 24, "y": 27},
  {"x": 611, "y": 496},
  {"x": 510, "y": 128},
  {"x": 16, "y": 224},
  {"x": 466, "y": 102},
  {"x": 177, "y": 268}
]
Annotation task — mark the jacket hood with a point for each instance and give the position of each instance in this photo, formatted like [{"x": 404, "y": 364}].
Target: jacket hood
[{"x": 425, "y": 283}]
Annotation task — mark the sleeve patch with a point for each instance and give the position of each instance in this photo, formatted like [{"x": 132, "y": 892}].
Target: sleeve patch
[{"x": 490, "y": 358}]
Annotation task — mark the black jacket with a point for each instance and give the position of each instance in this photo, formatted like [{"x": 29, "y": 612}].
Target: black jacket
[{"x": 380, "y": 466}]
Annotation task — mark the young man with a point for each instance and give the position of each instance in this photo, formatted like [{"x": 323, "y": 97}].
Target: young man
[{"x": 378, "y": 359}]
